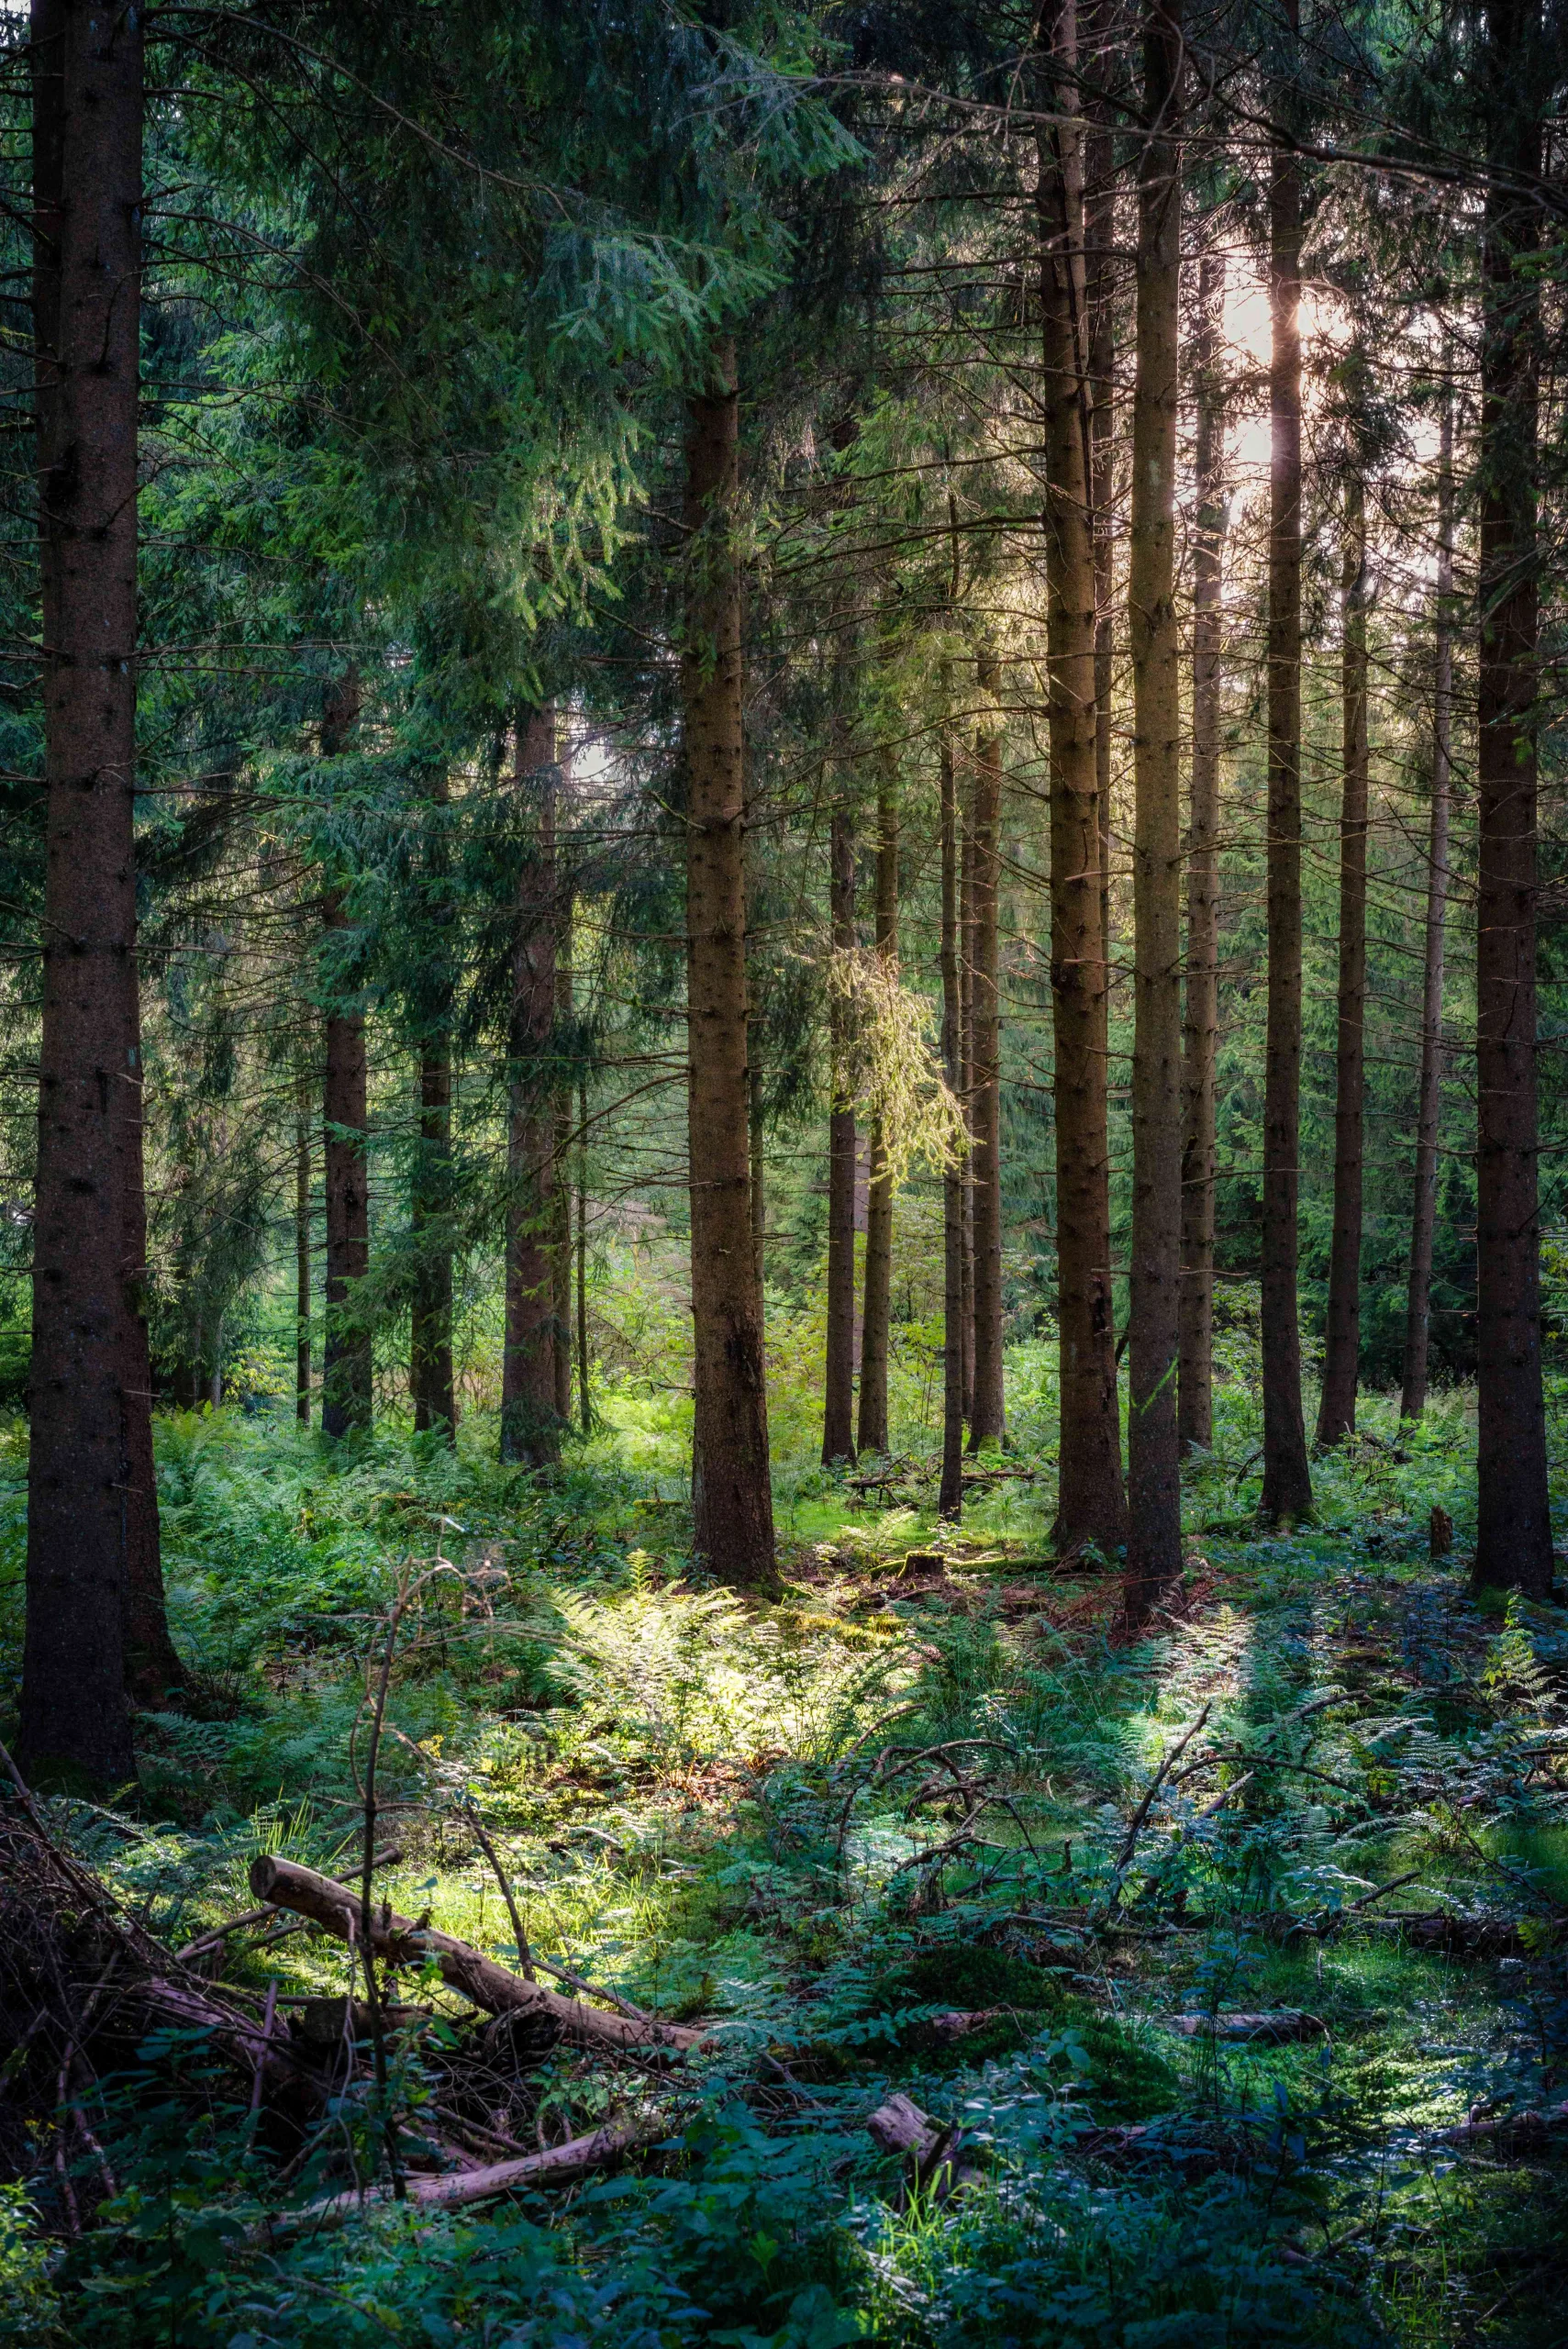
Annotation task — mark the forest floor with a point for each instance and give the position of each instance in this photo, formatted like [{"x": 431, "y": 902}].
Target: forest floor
[{"x": 1203, "y": 2024}]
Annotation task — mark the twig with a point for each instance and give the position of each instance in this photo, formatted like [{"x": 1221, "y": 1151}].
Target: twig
[
  {"x": 1135, "y": 1826},
  {"x": 524, "y": 1960},
  {"x": 261, "y": 2051}
]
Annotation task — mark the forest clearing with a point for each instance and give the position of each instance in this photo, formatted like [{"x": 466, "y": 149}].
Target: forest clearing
[{"x": 783, "y": 1276}]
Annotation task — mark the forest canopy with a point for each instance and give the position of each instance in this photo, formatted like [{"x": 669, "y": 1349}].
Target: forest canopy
[{"x": 784, "y": 1293}]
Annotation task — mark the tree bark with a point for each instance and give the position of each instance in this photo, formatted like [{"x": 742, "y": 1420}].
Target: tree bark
[
  {"x": 537, "y": 1328},
  {"x": 1154, "y": 1497},
  {"x": 1092, "y": 1506},
  {"x": 949, "y": 1497},
  {"x": 301, "y": 1257},
  {"x": 347, "y": 1353},
  {"x": 584, "y": 1399},
  {"x": 838, "y": 1382},
  {"x": 1194, "y": 1401},
  {"x": 1287, "y": 1482},
  {"x": 876, "y": 1304},
  {"x": 89, "y": 1397},
  {"x": 732, "y": 1495},
  {"x": 430, "y": 1334},
  {"x": 1513, "y": 1545},
  {"x": 987, "y": 1420},
  {"x": 1099, "y": 294},
  {"x": 966, "y": 1072},
  {"x": 1423, "y": 1221},
  {"x": 1341, "y": 1360},
  {"x": 565, "y": 1003}
]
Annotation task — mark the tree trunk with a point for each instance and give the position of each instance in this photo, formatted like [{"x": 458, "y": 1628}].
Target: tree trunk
[
  {"x": 537, "y": 1328},
  {"x": 1154, "y": 1495},
  {"x": 584, "y": 1399},
  {"x": 430, "y": 1347},
  {"x": 348, "y": 1352},
  {"x": 1512, "y": 1544},
  {"x": 732, "y": 1495},
  {"x": 987, "y": 1420},
  {"x": 89, "y": 1397},
  {"x": 1091, "y": 1501},
  {"x": 1287, "y": 1483},
  {"x": 756, "y": 1142},
  {"x": 877, "y": 1301},
  {"x": 563, "y": 1259},
  {"x": 838, "y": 1382},
  {"x": 301, "y": 1258},
  {"x": 1341, "y": 1360},
  {"x": 966, "y": 1071},
  {"x": 1194, "y": 1402},
  {"x": 949, "y": 1497},
  {"x": 1423, "y": 1222},
  {"x": 1102, "y": 32}
]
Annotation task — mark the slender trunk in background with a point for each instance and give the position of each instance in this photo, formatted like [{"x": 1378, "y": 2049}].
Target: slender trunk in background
[
  {"x": 988, "y": 1421},
  {"x": 1194, "y": 1398},
  {"x": 838, "y": 1382},
  {"x": 877, "y": 1302},
  {"x": 561, "y": 1244},
  {"x": 585, "y": 1397},
  {"x": 347, "y": 1355},
  {"x": 1287, "y": 1482},
  {"x": 757, "y": 1145},
  {"x": 430, "y": 1336},
  {"x": 731, "y": 1492},
  {"x": 535, "y": 1330},
  {"x": 1154, "y": 1488},
  {"x": 301, "y": 1257},
  {"x": 1091, "y": 1504},
  {"x": 966, "y": 1072},
  {"x": 949, "y": 1497},
  {"x": 1101, "y": 31},
  {"x": 90, "y": 1511},
  {"x": 1341, "y": 1358},
  {"x": 1423, "y": 1221},
  {"x": 153, "y": 1670},
  {"x": 1513, "y": 1532}
]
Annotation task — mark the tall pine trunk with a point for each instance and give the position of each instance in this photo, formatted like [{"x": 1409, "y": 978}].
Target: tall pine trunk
[
  {"x": 1154, "y": 1542},
  {"x": 1287, "y": 1483},
  {"x": 838, "y": 1382},
  {"x": 1424, "y": 1215},
  {"x": 537, "y": 1326},
  {"x": 1341, "y": 1359},
  {"x": 562, "y": 1258},
  {"x": 877, "y": 1301},
  {"x": 987, "y": 1417},
  {"x": 302, "y": 1256},
  {"x": 966, "y": 1083},
  {"x": 1102, "y": 31},
  {"x": 347, "y": 1353},
  {"x": 1195, "y": 1396},
  {"x": 1091, "y": 1504},
  {"x": 1512, "y": 1533},
  {"x": 431, "y": 1348},
  {"x": 949, "y": 1497},
  {"x": 92, "y": 1525},
  {"x": 731, "y": 1492}
]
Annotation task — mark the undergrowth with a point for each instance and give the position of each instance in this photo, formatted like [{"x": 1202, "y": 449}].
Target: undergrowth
[{"x": 734, "y": 1812}]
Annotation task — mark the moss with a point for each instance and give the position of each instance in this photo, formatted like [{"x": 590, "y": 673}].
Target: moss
[{"x": 1125, "y": 2080}]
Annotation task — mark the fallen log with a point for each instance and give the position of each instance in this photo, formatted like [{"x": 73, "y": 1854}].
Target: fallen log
[
  {"x": 1508, "y": 2132},
  {"x": 900, "y": 2127},
  {"x": 398, "y": 1941},
  {"x": 1282, "y": 2023},
  {"x": 453, "y": 2189}
]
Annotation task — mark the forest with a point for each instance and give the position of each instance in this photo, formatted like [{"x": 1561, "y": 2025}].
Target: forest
[{"x": 783, "y": 1260}]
